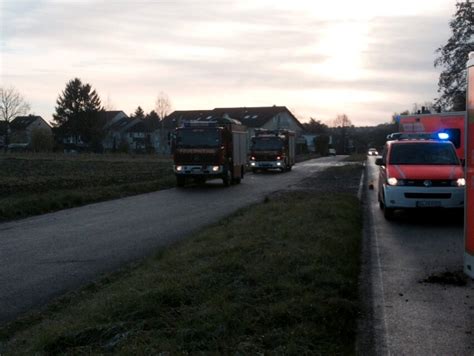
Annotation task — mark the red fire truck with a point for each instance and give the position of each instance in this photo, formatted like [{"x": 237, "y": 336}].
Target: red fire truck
[
  {"x": 273, "y": 149},
  {"x": 449, "y": 125},
  {"x": 208, "y": 149}
]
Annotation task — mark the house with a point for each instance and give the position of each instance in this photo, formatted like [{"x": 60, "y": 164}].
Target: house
[
  {"x": 155, "y": 138},
  {"x": 264, "y": 117},
  {"x": 23, "y": 128},
  {"x": 115, "y": 134},
  {"x": 123, "y": 133},
  {"x": 3, "y": 134},
  {"x": 135, "y": 136}
]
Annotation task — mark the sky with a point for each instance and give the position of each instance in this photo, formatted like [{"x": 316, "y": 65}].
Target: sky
[{"x": 320, "y": 58}]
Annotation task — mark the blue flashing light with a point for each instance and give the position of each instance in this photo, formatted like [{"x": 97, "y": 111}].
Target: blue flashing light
[{"x": 443, "y": 135}]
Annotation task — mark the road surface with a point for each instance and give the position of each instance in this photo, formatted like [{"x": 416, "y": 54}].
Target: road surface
[
  {"x": 409, "y": 316},
  {"x": 43, "y": 257}
]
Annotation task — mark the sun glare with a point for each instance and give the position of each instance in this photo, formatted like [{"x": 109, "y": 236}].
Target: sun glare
[{"x": 343, "y": 44}]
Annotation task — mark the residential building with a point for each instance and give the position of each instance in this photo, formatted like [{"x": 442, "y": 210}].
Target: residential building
[
  {"x": 22, "y": 129},
  {"x": 3, "y": 134}
]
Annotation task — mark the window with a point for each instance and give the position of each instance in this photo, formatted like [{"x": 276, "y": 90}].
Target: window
[{"x": 435, "y": 153}]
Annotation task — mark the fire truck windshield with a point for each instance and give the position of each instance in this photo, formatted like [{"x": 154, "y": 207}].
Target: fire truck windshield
[
  {"x": 423, "y": 153},
  {"x": 198, "y": 137},
  {"x": 266, "y": 143}
]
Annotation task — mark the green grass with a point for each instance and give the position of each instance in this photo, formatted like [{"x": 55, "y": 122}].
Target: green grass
[
  {"x": 277, "y": 277},
  {"x": 34, "y": 184}
]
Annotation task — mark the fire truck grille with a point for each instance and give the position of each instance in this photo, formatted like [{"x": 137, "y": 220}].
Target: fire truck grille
[
  {"x": 191, "y": 159},
  {"x": 421, "y": 183},
  {"x": 428, "y": 195},
  {"x": 265, "y": 157}
]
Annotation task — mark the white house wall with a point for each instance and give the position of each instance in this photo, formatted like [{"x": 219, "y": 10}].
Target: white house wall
[{"x": 283, "y": 121}]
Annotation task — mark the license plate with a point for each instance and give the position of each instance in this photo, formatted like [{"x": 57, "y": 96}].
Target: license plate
[{"x": 428, "y": 204}]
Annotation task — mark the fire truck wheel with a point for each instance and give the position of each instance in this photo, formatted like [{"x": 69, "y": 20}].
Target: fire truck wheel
[
  {"x": 254, "y": 170},
  {"x": 289, "y": 168},
  {"x": 227, "y": 179},
  {"x": 180, "y": 181}
]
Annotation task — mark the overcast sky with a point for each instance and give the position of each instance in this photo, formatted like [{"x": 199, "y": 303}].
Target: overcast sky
[{"x": 320, "y": 58}]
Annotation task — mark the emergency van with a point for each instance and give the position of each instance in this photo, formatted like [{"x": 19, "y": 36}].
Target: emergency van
[{"x": 419, "y": 173}]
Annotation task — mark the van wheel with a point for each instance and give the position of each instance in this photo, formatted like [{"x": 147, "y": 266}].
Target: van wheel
[
  {"x": 388, "y": 213},
  {"x": 180, "y": 181}
]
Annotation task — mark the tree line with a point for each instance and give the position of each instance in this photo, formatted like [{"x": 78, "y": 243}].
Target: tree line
[{"x": 78, "y": 112}]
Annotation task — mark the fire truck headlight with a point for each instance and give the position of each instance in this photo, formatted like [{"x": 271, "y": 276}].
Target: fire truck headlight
[
  {"x": 179, "y": 168},
  {"x": 392, "y": 181},
  {"x": 252, "y": 163},
  {"x": 278, "y": 163},
  {"x": 461, "y": 182},
  {"x": 278, "y": 158},
  {"x": 252, "y": 158},
  {"x": 215, "y": 168}
]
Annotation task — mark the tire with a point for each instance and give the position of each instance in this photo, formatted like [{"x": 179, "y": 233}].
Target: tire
[
  {"x": 236, "y": 180},
  {"x": 388, "y": 213},
  {"x": 227, "y": 178},
  {"x": 254, "y": 170},
  {"x": 180, "y": 181},
  {"x": 289, "y": 168}
]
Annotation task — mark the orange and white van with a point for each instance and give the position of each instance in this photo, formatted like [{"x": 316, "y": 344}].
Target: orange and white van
[{"x": 419, "y": 173}]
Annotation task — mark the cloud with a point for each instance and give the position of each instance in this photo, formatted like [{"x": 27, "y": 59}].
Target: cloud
[{"x": 227, "y": 53}]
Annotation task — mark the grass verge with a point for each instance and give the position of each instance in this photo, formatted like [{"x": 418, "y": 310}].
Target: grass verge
[
  {"x": 277, "y": 277},
  {"x": 35, "y": 184}
]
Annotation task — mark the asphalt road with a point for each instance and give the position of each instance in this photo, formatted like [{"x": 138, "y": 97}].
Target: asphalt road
[
  {"x": 409, "y": 316},
  {"x": 43, "y": 257}
]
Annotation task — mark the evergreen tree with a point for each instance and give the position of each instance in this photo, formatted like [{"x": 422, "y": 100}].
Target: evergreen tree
[
  {"x": 152, "y": 115},
  {"x": 139, "y": 113},
  {"x": 315, "y": 126},
  {"x": 78, "y": 112},
  {"x": 453, "y": 57}
]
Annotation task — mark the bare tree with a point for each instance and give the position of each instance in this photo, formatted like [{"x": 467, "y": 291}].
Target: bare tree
[
  {"x": 162, "y": 108},
  {"x": 109, "y": 104},
  {"x": 342, "y": 121},
  {"x": 341, "y": 124},
  {"x": 12, "y": 104},
  {"x": 162, "y": 105}
]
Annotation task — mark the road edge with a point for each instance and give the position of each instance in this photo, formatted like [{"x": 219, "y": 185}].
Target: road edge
[{"x": 371, "y": 326}]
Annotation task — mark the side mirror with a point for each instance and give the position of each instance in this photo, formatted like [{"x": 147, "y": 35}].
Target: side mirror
[{"x": 379, "y": 161}]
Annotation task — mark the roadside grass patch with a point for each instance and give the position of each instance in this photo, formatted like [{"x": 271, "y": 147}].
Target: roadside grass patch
[
  {"x": 35, "y": 184},
  {"x": 279, "y": 277}
]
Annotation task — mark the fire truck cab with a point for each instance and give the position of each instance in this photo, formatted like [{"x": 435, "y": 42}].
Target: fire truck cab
[
  {"x": 209, "y": 149},
  {"x": 419, "y": 173},
  {"x": 273, "y": 149}
]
